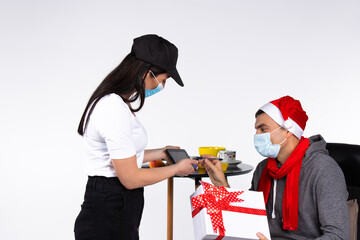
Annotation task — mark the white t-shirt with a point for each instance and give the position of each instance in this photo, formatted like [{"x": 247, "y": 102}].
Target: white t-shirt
[{"x": 113, "y": 132}]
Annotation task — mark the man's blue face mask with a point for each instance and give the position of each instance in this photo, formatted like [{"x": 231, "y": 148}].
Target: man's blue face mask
[
  {"x": 265, "y": 147},
  {"x": 150, "y": 92}
]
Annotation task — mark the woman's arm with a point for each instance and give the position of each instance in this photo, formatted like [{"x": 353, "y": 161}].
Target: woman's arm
[
  {"x": 133, "y": 177},
  {"x": 157, "y": 154}
]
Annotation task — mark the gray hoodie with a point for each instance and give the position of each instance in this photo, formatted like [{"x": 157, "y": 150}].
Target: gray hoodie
[{"x": 323, "y": 211}]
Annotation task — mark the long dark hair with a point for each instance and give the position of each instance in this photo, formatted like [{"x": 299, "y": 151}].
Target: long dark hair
[{"x": 129, "y": 75}]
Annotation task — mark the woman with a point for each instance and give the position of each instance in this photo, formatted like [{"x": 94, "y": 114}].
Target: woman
[{"x": 115, "y": 143}]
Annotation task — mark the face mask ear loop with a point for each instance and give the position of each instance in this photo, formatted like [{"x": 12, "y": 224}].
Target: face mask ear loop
[
  {"x": 275, "y": 130},
  {"x": 154, "y": 76},
  {"x": 283, "y": 141}
]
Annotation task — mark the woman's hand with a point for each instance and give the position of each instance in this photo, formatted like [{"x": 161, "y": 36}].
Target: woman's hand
[
  {"x": 261, "y": 236},
  {"x": 185, "y": 167},
  {"x": 133, "y": 177},
  {"x": 214, "y": 169},
  {"x": 165, "y": 156},
  {"x": 157, "y": 154}
]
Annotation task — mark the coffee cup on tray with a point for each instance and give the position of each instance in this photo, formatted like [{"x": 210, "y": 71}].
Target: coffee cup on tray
[{"x": 228, "y": 156}]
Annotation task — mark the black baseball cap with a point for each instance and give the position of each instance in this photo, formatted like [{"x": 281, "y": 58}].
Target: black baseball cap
[{"x": 159, "y": 52}]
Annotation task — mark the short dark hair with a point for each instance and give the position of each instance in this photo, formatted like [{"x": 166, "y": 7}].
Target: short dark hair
[{"x": 259, "y": 112}]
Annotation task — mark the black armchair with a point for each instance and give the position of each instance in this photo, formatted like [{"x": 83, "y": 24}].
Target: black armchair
[{"x": 348, "y": 158}]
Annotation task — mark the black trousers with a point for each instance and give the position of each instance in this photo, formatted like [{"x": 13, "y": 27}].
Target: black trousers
[{"x": 109, "y": 211}]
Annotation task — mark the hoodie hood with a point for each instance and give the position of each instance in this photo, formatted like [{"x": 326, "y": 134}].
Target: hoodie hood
[{"x": 317, "y": 145}]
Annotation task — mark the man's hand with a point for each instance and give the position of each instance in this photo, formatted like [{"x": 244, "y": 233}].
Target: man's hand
[
  {"x": 214, "y": 169},
  {"x": 261, "y": 236}
]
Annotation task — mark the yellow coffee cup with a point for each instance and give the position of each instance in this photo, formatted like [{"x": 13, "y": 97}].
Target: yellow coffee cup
[
  {"x": 224, "y": 166},
  {"x": 210, "y": 150}
]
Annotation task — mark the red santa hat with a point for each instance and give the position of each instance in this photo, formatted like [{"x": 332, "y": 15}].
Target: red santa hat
[{"x": 288, "y": 113}]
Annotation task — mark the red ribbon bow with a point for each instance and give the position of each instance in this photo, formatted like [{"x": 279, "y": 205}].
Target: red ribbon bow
[{"x": 217, "y": 199}]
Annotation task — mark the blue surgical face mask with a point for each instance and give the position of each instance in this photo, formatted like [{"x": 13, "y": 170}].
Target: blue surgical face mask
[
  {"x": 264, "y": 145},
  {"x": 149, "y": 92}
]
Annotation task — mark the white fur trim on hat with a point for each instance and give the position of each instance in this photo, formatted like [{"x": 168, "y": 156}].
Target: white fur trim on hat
[{"x": 290, "y": 125}]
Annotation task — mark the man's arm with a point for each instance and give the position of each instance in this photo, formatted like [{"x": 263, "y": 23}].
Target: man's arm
[
  {"x": 257, "y": 175},
  {"x": 332, "y": 196}
]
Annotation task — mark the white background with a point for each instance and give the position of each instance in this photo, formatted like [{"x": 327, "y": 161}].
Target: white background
[{"x": 234, "y": 56}]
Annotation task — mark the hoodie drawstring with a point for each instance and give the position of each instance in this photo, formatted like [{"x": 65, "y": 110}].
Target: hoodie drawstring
[{"x": 274, "y": 197}]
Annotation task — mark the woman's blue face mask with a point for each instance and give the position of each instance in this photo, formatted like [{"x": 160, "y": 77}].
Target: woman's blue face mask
[
  {"x": 265, "y": 147},
  {"x": 150, "y": 92}
]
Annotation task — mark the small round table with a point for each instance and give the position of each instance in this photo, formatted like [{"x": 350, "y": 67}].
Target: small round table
[{"x": 234, "y": 171}]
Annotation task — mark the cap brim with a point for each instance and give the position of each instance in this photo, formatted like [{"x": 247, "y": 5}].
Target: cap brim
[{"x": 175, "y": 75}]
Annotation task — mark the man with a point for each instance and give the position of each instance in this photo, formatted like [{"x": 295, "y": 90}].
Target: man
[{"x": 304, "y": 188}]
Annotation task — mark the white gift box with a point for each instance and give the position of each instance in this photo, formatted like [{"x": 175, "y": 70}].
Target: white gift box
[{"x": 238, "y": 224}]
